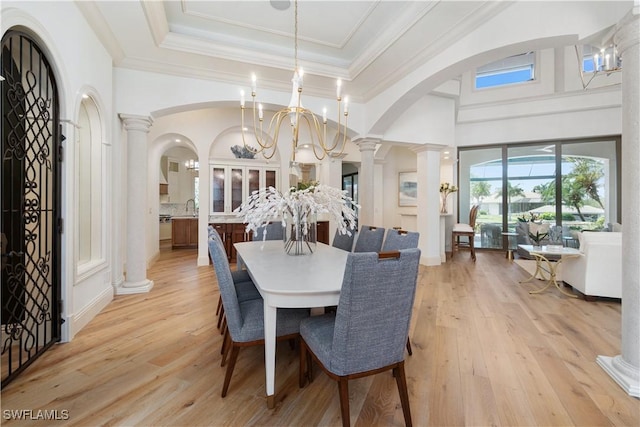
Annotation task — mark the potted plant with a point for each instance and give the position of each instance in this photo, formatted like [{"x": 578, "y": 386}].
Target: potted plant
[{"x": 537, "y": 238}]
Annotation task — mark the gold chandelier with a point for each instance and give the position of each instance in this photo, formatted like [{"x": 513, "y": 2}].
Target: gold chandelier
[{"x": 298, "y": 116}]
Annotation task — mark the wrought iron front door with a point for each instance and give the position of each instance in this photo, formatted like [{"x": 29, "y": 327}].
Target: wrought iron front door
[{"x": 30, "y": 214}]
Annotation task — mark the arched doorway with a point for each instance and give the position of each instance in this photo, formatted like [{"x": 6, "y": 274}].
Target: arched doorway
[{"x": 30, "y": 207}]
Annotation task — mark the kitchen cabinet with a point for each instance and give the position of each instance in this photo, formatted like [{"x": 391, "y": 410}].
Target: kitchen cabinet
[
  {"x": 231, "y": 233},
  {"x": 184, "y": 233},
  {"x": 232, "y": 184},
  {"x": 323, "y": 232}
]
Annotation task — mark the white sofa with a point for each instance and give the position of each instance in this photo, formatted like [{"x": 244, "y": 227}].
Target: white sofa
[{"x": 598, "y": 271}]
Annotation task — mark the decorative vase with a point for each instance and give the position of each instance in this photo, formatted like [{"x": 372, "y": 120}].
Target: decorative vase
[
  {"x": 300, "y": 233},
  {"x": 443, "y": 203}
]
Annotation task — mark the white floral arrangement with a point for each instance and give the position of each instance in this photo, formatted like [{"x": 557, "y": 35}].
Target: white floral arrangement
[{"x": 298, "y": 206}]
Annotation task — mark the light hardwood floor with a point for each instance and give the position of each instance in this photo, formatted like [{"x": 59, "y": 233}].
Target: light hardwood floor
[{"x": 485, "y": 352}]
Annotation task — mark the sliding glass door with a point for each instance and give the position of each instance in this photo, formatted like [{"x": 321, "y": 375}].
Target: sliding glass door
[
  {"x": 480, "y": 181},
  {"x": 574, "y": 184}
]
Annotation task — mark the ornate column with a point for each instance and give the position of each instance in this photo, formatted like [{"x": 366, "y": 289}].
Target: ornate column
[
  {"x": 137, "y": 128},
  {"x": 625, "y": 368},
  {"x": 365, "y": 180}
]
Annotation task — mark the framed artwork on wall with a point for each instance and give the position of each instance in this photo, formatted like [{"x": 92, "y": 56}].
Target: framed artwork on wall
[{"x": 408, "y": 188}]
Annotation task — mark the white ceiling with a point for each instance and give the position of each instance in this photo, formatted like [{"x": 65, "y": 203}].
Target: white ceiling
[{"x": 369, "y": 44}]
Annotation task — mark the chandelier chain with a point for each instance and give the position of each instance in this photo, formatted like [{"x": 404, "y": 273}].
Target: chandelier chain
[{"x": 295, "y": 49}]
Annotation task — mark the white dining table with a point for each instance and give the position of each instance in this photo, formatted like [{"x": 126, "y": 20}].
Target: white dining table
[{"x": 286, "y": 281}]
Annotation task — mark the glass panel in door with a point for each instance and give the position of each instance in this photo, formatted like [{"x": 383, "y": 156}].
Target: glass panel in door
[
  {"x": 236, "y": 187},
  {"x": 589, "y": 191},
  {"x": 270, "y": 178},
  {"x": 531, "y": 187},
  {"x": 480, "y": 183},
  {"x": 217, "y": 198},
  {"x": 253, "y": 180}
]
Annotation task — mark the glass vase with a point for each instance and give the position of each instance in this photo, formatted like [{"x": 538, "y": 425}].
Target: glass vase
[
  {"x": 443, "y": 203},
  {"x": 300, "y": 233}
]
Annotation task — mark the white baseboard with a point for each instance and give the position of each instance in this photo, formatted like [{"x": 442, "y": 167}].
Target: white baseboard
[
  {"x": 432, "y": 260},
  {"x": 80, "y": 319}
]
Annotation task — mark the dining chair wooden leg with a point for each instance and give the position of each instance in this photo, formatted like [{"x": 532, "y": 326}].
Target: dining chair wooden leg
[
  {"x": 309, "y": 367},
  {"x": 302, "y": 375},
  {"x": 219, "y": 307},
  {"x": 220, "y": 316},
  {"x": 232, "y": 364},
  {"x": 224, "y": 324},
  {"x": 343, "y": 385},
  {"x": 227, "y": 347},
  {"x": 472, "y": 248},
  {"x": 225, "y": 336},
  {"x": 401, "y": 380},
  {"x": 409, "y": 350}
]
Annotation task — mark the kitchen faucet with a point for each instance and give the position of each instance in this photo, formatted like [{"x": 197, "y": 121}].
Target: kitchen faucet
[{"x": 186, "y": 208}]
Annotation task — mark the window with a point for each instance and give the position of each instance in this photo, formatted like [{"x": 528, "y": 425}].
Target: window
[
  {"x": 570, "y": 183},
  {"x": 513, "y": 69}
]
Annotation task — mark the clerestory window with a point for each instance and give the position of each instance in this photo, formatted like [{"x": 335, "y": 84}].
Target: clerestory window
[{"x": 511, "y": 70}]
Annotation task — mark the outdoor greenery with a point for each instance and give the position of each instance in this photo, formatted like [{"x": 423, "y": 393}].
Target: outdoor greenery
[
  {"x": 579, "y": 187},
  {"x": 512, "y": 191},
  {"x": 479, "y": 190}
]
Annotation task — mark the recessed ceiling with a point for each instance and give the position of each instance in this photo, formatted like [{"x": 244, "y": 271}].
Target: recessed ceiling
[{"x": 369, "y": 44}]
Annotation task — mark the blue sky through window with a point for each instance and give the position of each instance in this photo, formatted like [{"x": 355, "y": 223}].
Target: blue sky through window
[{"x": 504, "y": 78}]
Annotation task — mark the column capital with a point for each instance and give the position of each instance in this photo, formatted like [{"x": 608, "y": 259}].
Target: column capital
[
  {"x": 368, "y": 142},
  {"x": 628, "y": 30},
  {"x": 135, "y": 122}
]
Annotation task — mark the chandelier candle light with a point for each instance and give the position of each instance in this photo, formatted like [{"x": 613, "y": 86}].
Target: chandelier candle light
[
  {"x": 298, "y": 208},
  {"x": 297, "y": 115},
  {"x": 445, "y": 190}
]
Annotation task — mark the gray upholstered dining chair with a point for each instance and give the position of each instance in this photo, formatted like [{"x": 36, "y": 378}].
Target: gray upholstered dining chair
[
  {"x": 367, "y": 333},
  {"x": 400, "y": 239},
  {"x": 274, "y": 231},
  {"x": 395, "y": 241},
  {"x": 244, "y": 285},
  {"x": 344, "y": 241},
  {"x": 245, "y": 319},
  {"x": 369, "y": 239}
]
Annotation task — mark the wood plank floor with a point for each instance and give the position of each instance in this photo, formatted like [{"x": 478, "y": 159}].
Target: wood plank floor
[{"x": 485, "y": 352}]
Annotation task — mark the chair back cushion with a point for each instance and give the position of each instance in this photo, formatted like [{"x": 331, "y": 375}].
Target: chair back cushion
[
  {"x": 344, "y": 241},
  {"x": 399, "y": 239},
  {"x": 225, "y": 283},
  {"x": 369, "y": 239},
  {"x": 374, "y": 311},
  {"x": 273, "y": 232}
]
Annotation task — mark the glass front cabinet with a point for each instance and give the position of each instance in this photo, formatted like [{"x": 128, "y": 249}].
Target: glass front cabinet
[{"x": 232, "y": 184}]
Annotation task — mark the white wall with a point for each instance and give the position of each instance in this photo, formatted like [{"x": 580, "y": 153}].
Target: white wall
[
  {"x": 431, "y": 120},
  {"x": 67, "y": 47},
  {"x": 553, "y": 107}
]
